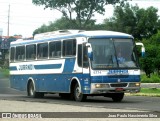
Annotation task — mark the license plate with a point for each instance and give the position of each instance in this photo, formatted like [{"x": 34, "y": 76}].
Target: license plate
[{"x": 119, "y": 89}]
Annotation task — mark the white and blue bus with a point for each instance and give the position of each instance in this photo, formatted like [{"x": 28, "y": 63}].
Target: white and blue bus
[{"x": 76, "y": 64}]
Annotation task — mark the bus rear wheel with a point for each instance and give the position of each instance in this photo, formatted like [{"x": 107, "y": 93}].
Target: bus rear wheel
[
  {"x": 78, "y": 96},
  {"x": 117, "y": 97},
  {"x": 32, "y": 92}
]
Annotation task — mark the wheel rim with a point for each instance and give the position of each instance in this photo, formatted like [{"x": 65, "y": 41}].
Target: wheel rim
[
  {"x": 31, "y": 90},
  {"x": 78, "y": 92}
]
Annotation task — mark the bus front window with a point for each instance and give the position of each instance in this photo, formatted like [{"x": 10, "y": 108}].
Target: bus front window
[{"x": 113, "y": 53}]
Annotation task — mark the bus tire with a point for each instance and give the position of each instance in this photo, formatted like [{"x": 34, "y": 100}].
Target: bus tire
[
  {"x": 32, "y": 92},
  {"x": 78, "y": 96},
  {"x": 117, "y": 97}
]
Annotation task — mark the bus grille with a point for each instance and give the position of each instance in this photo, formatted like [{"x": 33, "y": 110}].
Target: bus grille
[{"x": 119, "y": 85}]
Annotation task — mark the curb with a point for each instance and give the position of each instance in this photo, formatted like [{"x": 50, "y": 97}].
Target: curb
[{"x": 150, "y": 85}]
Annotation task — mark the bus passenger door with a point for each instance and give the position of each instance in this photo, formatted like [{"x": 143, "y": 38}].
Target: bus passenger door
[{"x": 83, "y": 66}]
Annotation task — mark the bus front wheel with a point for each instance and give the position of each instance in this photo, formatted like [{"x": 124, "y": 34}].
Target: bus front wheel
[
  {"x": 78, "y": 96},
  {"x": 32, "y": 92},
  {"x": 117, "y": 97}
]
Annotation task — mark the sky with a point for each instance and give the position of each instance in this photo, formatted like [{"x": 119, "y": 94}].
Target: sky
[{"x": 25, "y": 17}]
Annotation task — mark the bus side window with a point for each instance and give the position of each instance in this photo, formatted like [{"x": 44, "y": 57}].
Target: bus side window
[
  {"x": 69, "y": 47},
  {"x": 42, "y": 50},
  {"x": 53, "y": 54},
  {"x": 80, "y": 55},
  {"x": 31, "y": 52},
  {"x": 12, "y": 54},
  {"x": 85, "y": 57},
  {"x": 55, "y": 49},
  {"x": 20, "y": 53},
  {"x": 58, "y": 53}
]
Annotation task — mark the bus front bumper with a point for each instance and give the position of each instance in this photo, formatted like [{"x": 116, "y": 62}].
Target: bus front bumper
[{"x": 100, "y": 88}]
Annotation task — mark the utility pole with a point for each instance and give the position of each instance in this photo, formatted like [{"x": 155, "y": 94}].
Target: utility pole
[
  {"x": 5, "y": 49},
  {"x": 8, "y": 20}
]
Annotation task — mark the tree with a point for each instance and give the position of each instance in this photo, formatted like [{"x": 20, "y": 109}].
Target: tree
[
  {"x": 63, "y": 23},
  {"x": 151, "y": 62},
  {"x": 141, "y": 23},
  {"x": 83, "y": 10},
  {"x": 59, "y": 24},
  {"x": 41, "y": 29}
]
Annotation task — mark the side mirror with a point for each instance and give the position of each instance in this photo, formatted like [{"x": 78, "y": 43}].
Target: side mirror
[
  {"x": 142, "y": 48},
  {"x": 90, "y": 52},
  {"x": 143, "y": 51}
]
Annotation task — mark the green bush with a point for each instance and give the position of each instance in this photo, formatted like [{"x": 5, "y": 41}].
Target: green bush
[
  {"x": 153, "y": 79},
  {"x": 4, "y": 64},
  {"x": 4, "y": 72}
]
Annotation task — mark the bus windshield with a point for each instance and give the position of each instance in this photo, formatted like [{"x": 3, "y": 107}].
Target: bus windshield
[{"x": 113, "y": 53}]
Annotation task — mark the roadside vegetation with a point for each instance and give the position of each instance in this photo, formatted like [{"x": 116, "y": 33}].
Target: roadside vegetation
[
  {"x": 4, "y": 73},
  {"x": 152, "y": 92},
  {"x": 154, "y": 78},
  {"x": 4, "y": 68}
]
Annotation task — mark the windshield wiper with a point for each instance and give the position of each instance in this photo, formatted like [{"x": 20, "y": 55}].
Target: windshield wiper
[{"x": 115, "y": 53}]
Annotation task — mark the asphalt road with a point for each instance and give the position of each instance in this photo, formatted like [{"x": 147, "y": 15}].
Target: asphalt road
[
  {"x": 5, "y": 87},
  {"x": 139, "y": 103}
]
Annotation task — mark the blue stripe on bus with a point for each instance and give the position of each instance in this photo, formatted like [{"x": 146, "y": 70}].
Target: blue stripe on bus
[
  {"x": 114, "y": 79},
  {"x": 48, "y": 66},
  {"x": 12, "y": 68},
  {"x": 69, "y": 65}
]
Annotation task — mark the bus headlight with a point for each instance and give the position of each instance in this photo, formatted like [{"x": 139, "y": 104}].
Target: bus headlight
[
  {"x": 101, "y": 85},
  {"x": 135, "y": 84},
  {"x": 98, "y": 85}
]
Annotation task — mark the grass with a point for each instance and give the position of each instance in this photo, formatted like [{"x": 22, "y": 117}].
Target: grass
[
  {"x": 153, "y": 79},
  {"x": 150, "y": 90},
  {"x": 153, "y": 92}
]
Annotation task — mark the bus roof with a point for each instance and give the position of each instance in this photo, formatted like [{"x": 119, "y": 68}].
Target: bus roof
[
  {"x": 105, "y": 33},
  {"x": 69, "y": 35}
]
